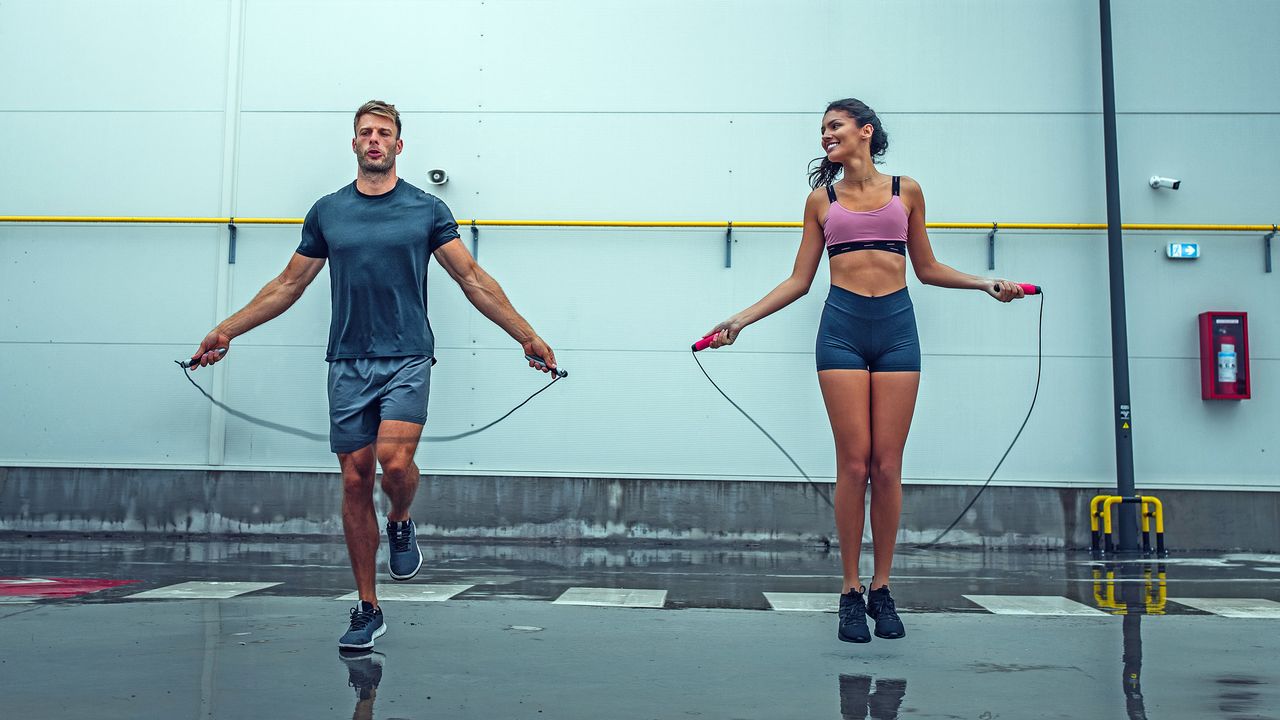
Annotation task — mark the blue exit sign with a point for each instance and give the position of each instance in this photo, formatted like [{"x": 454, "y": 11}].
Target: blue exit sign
[{"x": 1184, "y": 251}]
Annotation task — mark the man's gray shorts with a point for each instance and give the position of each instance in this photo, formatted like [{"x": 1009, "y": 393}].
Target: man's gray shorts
[{"x": 365, "y": 391}]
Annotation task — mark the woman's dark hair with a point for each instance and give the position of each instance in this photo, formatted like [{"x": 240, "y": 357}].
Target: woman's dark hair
[{"x": 827, "y": 171}]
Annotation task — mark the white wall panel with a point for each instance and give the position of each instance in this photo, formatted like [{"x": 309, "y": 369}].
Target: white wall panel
[
  {"x": 107, "y": 284},
  {"x": 1166, "y": 296},
  {"x": 124, "y": 55},
  {"x": 769, "y": 57},
  {"x": 92, "y": 404},
  {"x": 970, "y": 408},
  {"x": 1181, "y": 440},
  {"x": 1174, "y": 57},
  {"x": 111, "y": 163},
  {"x": 569, "y": 109},
  {"x": 672, "y": 166},
  {"x": 304, "y": 55},
  {"x": 523, "y": 55},
  {"x": 1227, "y": 164}
]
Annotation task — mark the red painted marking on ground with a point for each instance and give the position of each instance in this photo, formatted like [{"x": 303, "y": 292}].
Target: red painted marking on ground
[{"x": 55, "y": 587}]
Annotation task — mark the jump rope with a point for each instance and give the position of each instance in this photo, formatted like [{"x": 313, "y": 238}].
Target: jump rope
[
  {"x": 1028, "y": 289},
  {"x": 703, "y": 344},
  {"x": 186, "y": 365}
]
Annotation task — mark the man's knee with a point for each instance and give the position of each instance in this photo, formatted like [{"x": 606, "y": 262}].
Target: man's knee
[
  {"x": 357, "y": 473},
  {"x": 398, "y": 467},
  {"x": 357, "y": 484}
]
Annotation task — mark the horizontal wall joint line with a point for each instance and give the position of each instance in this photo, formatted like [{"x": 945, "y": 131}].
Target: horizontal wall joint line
[{"x": 984, "y": 226}]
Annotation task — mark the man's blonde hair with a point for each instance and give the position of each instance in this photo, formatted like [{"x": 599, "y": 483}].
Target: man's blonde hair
[{"x": 377, "y": 107}]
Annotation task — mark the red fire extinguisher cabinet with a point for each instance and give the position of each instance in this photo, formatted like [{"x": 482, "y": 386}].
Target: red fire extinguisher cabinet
[{"x": 1224, "y": 356}]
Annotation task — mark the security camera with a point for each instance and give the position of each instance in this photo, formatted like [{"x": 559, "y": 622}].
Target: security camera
[
  {"x": 1164, "y": 182},
  {"x": 440, "y": 177}
]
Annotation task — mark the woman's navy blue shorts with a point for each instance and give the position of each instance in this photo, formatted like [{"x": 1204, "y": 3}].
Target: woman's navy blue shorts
[{"x": 868, "y": 333}]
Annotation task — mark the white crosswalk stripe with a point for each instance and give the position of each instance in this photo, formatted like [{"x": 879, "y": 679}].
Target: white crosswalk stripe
[
  {"x": 613, "y": 597},
  {"x": 1032, "y": 605},
  {"x": 1233, "y": 607},
  {"x": 201, "y": 591},
  {"x": 413, "y": 593},
  {"x": 803, "y": 602}
]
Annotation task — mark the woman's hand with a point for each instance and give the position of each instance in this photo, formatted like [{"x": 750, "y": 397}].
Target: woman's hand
[
  {"x": 726, "y": 332},
  {"x": 1003, "y": 290}
]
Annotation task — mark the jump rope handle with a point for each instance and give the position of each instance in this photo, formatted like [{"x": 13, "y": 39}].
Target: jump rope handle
[
  {"x": 705, "y": 342},
  {"x": 558, "y": 372},
  {"x": 195, "y": 362},
  {"x": 1027, "y": 288}
]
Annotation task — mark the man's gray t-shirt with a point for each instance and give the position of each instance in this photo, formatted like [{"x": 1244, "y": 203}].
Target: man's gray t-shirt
[{"x": 378, "y": 248}]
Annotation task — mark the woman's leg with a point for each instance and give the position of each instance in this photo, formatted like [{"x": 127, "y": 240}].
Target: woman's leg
[
  {"x": 893, "y": 402},
  {"x": 847, "y": 394}
]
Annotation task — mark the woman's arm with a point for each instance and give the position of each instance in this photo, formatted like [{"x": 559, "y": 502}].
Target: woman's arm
[
  {"x": 791, "y": 289},
  {"x": 927, "y": 267}
]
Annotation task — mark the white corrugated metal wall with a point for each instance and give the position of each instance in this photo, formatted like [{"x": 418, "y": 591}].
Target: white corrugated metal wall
[{"x": 571, "y": 109}]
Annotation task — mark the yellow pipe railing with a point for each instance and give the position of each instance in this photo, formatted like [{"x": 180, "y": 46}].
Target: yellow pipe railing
[{"x": 127, "y": 220}]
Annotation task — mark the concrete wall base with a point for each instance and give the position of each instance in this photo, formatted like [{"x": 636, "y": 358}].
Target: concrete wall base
[{"x": 236, "y": 503}]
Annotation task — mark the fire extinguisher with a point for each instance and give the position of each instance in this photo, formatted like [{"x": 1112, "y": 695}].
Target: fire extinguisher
[{"x": 1226, "y": 363}]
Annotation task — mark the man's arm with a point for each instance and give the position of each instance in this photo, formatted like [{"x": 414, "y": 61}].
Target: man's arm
[
  {"x": 486, "y": 295},
  {"x": 274, "y": 298}
]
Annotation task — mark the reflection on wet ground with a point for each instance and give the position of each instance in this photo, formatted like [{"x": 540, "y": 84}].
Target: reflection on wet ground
[
  {"x": 1134, "y": 648},
  {"x": 865, "y": 698},
  {"x": 709, "y": 577}
]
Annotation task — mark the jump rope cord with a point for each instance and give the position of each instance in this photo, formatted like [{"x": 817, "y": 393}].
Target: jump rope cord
[
  {"x": 1034, "y": 395},
  {"x": 974, "y": 499},
  {"x": 776, "y": 444},
  {"x": 324, "y": 436}
]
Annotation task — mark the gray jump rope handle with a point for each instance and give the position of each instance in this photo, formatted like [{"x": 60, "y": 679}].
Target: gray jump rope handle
[{"x": 543, "y": 363}]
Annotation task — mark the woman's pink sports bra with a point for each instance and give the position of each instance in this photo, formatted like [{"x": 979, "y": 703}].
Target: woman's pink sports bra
[{"x": 882, "y": 229}]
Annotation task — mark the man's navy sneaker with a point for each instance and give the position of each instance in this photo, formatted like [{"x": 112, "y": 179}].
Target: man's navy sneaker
[
  {"x": 853, "y": 618},
  {"x": 405, "y": 558},
  {"x": 880, "y": 608},
  {"x": 366, "y": 625}
]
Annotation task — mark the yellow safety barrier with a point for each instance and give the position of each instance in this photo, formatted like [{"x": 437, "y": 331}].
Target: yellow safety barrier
[{"x": 1100, "y": 534}]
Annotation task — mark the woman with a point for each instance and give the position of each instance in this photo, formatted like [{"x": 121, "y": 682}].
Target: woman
[{"x": 868, "y": 352}]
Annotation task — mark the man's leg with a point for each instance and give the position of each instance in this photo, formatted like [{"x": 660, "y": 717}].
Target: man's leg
[
  {"x": 403, "y": 411},
  {"x": 353, "y": 424},
  {"x": 397, "y": 444},
  {"x": 359, "y": 521},
  {"x": 360, "y": 526}
]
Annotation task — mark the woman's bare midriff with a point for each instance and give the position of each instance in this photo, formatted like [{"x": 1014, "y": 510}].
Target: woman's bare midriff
[{"x": 872, "y": 273}]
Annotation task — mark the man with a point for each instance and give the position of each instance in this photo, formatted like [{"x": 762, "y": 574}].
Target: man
[{"x": 380, "y": 233}]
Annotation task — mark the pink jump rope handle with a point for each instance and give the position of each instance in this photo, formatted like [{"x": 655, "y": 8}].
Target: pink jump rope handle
[
  {"x": 705, "y": 342},
  {"x": 1027, "y": 288}
]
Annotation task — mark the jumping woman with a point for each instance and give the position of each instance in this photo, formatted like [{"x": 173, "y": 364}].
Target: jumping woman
[{"x": 868, "y": 351}]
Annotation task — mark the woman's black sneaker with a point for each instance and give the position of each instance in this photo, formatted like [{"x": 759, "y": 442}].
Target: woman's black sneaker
[
  {"x": 853, "y": 618},
  {"x": 880, "y": 608}
]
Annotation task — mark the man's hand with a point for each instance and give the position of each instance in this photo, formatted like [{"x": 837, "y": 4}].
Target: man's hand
[
  {"x": 213, "y": 348},
  {"x": 538, "y": 348}
]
